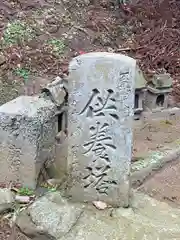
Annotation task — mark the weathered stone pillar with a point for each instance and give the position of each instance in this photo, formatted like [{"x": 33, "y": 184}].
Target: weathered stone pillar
[{"x": 101, "y": 102}]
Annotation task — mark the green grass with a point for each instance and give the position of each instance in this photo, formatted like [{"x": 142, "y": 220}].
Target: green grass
[
  {"x": 58, "y": 46},
  {"x": 23, "y": 73},
  {"x": 25, "y": 192},
  {"x": 16, "y": 32}
]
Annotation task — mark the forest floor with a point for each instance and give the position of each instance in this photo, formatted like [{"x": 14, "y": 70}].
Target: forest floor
[{"x": 38, "y": 38}]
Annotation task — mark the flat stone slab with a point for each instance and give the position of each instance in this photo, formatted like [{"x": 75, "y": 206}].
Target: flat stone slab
[
  {"x": 101, "y": 102},
  {"x": 146, "y": 219},
  {"x": 160, "y": 90}
]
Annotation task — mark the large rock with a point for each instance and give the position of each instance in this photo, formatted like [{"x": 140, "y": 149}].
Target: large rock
[
  {"x": 146, "y": 219},
  {"x": 52, "y": 215},
  {"x": 30, "y": 229},
  {"x": 28, "y": 127},
  {"x": 6, "y": 199}
]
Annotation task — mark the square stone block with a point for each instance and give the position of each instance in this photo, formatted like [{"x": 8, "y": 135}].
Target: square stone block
[{"x": 28, "y": 126}]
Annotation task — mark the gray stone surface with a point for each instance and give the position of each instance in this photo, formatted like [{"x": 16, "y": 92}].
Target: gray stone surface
[
  {"x": 6, "y": 199},
  {"x": 101, "y": 102},
  {"x": 141, "y": 170},
  {"x": 154, "y": 101},
  {"x": 55, "y": 91},
  {"x": 139, "y": 100},
  {"x": 162, "y": 80},
  {"x": 147, "y": 219},
  {"x": 54, "y": 215},
  {"x": 27, "y": 131},
  {"x": 25, "y": 224},
  {"x": 61, "y": 152},
  {"x": 140, "y": 81},
  {"x": 159, "y": 90},
  {"x": 165, "y": 114}
]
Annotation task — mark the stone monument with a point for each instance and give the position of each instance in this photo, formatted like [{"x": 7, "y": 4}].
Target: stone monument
[{"x": 101, "y": 102}]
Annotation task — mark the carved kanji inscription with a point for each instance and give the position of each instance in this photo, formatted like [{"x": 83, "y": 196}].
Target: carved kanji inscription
[
  {"x": 99, "y": 141},
  {"x": 97, "y": 107}
]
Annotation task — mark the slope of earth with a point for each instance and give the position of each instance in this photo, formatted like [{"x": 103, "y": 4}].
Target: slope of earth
[
  {"x": 156, "y": 37},
  {"x": 165, "y": 185},
  {"x": 39, "y": 37},
  {"x": 154, "y": 135},
  {"x": 8, "y": 233}
]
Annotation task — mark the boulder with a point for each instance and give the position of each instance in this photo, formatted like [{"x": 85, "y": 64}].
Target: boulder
[
  {"x": 52, "y": 216},
  {"x": 30, "y": 229},
  {"x": 59, "y": 219}
]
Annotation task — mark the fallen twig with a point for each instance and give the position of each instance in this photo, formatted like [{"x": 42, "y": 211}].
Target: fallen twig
[{"x": 128, "y": 49}]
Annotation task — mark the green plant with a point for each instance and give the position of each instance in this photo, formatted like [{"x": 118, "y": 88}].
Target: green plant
[
  {"x": 22, "y": 72},
  {"x": 17, "y": 31},
  {"x": 57, "y": 45},
  {"x": 50, "y": 188},
  {"x": 25, "y": 192}
]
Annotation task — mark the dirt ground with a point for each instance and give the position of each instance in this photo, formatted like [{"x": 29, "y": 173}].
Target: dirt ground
[
  {"x": 154, "y": 135},
  {"x": 7, "y": 233},
  {"x": 165, "y": 184},
  {"x": 38, "y": 38}
]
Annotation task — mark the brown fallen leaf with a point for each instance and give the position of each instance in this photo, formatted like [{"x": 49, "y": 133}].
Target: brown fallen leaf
[{"x": 100, "y": 205}]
